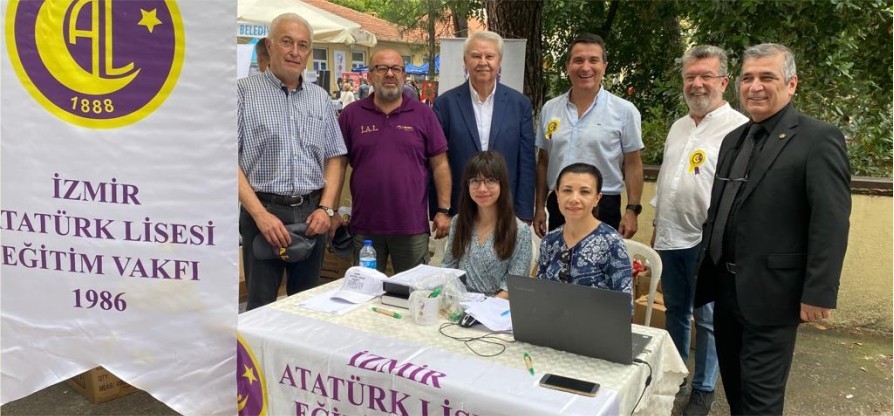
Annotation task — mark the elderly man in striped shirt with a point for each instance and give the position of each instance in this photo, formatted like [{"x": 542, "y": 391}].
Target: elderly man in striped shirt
[{"x": 291, "y": 161}]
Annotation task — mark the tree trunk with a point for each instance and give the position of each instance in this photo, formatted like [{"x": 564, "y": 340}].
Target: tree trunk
[
  {"x": 434, "y": 7},
  {"x": 514, "y": 19},
  {"x": 459, "y": 14},
  {"x": 606, "y": 29}
]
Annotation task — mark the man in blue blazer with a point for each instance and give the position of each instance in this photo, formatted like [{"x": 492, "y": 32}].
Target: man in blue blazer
[{"x": 483, "y": 114}]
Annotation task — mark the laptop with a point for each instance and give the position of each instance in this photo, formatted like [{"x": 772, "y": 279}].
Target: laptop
[{"x": 582, "y": 320}]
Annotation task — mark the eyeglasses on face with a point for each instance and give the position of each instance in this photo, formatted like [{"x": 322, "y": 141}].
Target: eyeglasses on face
[
  {"x": 289, "y": 44},
  {"x": 489, "y": 182},
  {"x": 383, "y": 69}
]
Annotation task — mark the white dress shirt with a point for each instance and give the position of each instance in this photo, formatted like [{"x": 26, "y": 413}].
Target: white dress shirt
[
  {"x": 484, "y": 113},
  {"x": 687, "y": 175}
]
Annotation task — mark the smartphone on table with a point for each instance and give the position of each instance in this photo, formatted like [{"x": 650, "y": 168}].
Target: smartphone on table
[{"x": 570, "y": 385}]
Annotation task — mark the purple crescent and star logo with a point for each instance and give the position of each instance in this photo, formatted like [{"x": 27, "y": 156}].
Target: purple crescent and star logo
[
  {"x": 251, "y": 388},
  {"x": 96, "y": 63}
]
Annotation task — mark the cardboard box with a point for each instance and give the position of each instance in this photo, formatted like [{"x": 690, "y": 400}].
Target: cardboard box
[
  {"x": 334, "y": 267},
  {"x": 99, "y": 385},
  {"x": 658, "y": 310},
  {"x": 641, "y": 284},
  {"x": 658, "y": 318}
]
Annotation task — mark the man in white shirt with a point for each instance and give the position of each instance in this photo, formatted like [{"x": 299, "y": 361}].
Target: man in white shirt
[
  {"x": 681, "y": 207},
  {"x": 590, "y": 125}
]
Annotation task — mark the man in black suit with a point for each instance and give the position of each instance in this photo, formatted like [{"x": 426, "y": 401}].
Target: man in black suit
[{"x": 776, "y": 233}]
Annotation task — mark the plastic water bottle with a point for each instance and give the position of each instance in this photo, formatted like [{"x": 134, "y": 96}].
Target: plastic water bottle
[{"x": 368, "y": 255}]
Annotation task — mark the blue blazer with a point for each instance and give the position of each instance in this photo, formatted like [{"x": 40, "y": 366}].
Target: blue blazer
[{"x": 511, "y": 134}]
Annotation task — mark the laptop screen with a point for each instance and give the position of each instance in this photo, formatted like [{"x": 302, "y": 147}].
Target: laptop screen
[{"x": 579, "y": 319}]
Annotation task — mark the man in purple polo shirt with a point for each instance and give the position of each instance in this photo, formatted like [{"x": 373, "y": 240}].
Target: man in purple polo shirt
[{"x": 392, "y": 142}]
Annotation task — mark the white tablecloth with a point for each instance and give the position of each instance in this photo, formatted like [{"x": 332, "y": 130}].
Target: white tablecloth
[{"x": 626, "y": 382}]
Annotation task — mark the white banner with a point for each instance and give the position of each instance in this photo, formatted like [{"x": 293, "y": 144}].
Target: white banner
[
  {"x": 339, "y": 57},
  {"x": 293, "y": 365},
  {"x": 453, "y": 71},
  {"x": 119, "y": 198}
]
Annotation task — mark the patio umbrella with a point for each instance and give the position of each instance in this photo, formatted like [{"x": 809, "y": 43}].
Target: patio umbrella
[{"x": 327, "y": 27}]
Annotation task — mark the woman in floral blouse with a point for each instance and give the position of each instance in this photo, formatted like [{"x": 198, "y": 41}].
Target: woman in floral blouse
[{"x": 584, "y": 251}]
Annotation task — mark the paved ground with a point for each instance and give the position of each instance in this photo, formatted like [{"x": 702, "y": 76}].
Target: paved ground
[{"x": 835, "y": 372}]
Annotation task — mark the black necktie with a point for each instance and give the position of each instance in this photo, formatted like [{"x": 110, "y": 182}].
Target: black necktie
[{"x": 736, "y": 180}]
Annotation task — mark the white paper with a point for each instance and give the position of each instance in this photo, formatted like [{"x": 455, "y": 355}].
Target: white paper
[
  {"x": 492, "y": 312},
  {"x": 324, "y": 302},
  {"x": 474, "y": 297},
  {"x": 422, "y": 271}
]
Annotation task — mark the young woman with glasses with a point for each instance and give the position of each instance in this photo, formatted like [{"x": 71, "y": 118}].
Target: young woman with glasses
[
  {"x": 486, "y": 240},
  {"x": 584, "y": 251}
]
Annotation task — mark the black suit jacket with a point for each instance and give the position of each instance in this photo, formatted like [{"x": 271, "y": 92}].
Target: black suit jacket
[{"x": 791, "y": 228}]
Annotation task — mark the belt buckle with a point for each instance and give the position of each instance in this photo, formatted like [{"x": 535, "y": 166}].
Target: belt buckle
[
  {"x": 730, "y": 267},
  {"x": 300, "y": 201}
]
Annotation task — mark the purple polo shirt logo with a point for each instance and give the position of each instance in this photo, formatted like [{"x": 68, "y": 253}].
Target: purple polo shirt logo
[
  {"x": 96, "y": 63},
  {"x": 251, "y": 388}
]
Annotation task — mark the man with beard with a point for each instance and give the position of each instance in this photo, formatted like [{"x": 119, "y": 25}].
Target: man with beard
[
  {"x": 392, "y": 143},
  {"x": 681, "y": 207},
  {"x": 590, "y": 125}
]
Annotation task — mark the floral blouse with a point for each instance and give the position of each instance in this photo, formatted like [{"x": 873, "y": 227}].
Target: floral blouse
[
  {"x": 485, "y": 272},
  {"x": 600, "y": 260}
]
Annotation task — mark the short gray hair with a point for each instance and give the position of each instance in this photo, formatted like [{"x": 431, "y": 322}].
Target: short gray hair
[
  {"x": 292, "y": 17},
  {"x": 485, "y": 36},
  {"x": 767, "y": 50},
  {"x": 705, "y": 52}
]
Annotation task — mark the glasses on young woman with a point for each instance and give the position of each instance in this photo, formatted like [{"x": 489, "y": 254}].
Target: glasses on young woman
[{"x": 476, "y": 183}]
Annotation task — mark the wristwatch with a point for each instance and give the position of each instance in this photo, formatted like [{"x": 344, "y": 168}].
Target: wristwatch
[
  {"x": 636, "y": 208},
  {"x": 329, "y": 211},
  {"x": 445, "y": 211}
]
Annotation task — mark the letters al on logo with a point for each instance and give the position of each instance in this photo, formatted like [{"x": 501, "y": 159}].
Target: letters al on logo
[{"x": 96, "y": 63}]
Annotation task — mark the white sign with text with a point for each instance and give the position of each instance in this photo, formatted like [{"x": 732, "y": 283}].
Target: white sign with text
[
  {"x": 119, "y": 227},
  {"x": 294, "y": 365}
]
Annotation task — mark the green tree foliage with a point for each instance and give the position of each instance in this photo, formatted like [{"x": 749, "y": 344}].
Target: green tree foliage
[
  {"x": 644, "y": 43},
  {"x": 844, "y": 57},
  {"x": 407, "y": 14},
  {"x": 420, "y": 15},
  {"x": 843, "y": 51}
]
